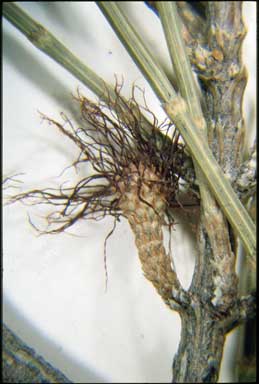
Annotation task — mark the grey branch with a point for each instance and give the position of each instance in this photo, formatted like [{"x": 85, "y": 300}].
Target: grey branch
[
  {"x": 21, "y": 364},
  {"x": 245, "y": 183}
]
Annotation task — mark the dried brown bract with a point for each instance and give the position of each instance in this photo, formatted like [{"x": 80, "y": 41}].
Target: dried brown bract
[
  {"x": 135, "y": 175},
  {"x": 112, "y": 140}
]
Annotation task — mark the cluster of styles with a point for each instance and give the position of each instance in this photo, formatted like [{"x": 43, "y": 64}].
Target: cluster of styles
[{"x": 135, "y": 174}]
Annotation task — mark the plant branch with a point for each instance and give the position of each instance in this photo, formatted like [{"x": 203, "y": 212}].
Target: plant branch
[
  {"x": 21, "y": 363},
  {"x": 245, "y": 309},
  {"x": 218, "y": 288},
  {"x": 46, "y": 42},
  {"x": 185, "y": 80},
  {"x": 42, "y": 39},
  {"x": 177, "y": 111},
  {"x": 209, "y": 313},
  {"x": 245, "y": 184}
]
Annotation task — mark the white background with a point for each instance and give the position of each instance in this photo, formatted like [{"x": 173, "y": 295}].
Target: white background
[{"x": 54, "y": 286}]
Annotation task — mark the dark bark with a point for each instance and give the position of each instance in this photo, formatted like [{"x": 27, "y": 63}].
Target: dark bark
[
  {"x": 216, "y": 307},
  {"x": 21, "y": 364},
  {"x": 201, "y": 347}
]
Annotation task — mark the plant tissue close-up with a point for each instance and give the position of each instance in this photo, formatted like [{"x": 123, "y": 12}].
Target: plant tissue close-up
[{"x": 129, "y": 183}]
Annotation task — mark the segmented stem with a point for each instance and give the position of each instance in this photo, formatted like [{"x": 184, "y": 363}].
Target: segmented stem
[{"x": 143, "y": 204}]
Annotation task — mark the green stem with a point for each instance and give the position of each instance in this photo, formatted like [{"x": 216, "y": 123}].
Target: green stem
[
  {"x": 137, "y": 49},
  {"x": 177, "y": 111},
  {"x": 46, "y": 42},
  {"x": 185, "y": 80},
  {"x": 41, "y": 38},
  {"x": 221, "y": 187}
]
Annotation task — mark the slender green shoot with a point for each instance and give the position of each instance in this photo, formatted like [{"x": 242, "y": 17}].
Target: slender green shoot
[
  {"x": 177, "y": 110},
  {"x": 200, "y": 151}
]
